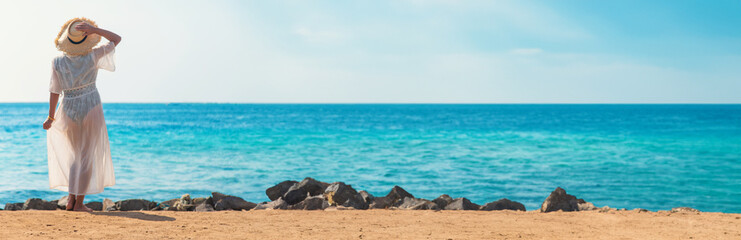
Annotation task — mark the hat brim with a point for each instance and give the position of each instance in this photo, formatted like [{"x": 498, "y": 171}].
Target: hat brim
[{"x": 64, "y": 44}]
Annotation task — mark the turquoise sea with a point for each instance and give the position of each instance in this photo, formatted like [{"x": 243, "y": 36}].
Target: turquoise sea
[{"x": 625, "y": 156}]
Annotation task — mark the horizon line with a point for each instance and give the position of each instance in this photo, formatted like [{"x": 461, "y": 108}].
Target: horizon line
[{"x": 421, "y": 103}]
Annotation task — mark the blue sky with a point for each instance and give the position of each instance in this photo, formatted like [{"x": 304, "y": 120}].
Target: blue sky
[{"x": 404, "y": 51}]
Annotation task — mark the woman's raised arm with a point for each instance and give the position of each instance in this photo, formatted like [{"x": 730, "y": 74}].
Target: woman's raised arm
[{"x": 89, "y": 29}]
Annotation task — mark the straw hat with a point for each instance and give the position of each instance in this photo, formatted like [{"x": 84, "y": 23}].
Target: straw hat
[{"x": 74, "y": 42}]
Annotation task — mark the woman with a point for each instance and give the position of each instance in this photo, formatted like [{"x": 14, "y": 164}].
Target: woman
[{"x": 77, "y": 138}]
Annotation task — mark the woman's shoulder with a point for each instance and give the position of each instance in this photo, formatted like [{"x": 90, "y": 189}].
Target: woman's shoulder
[{"x": 59, "y": 58}]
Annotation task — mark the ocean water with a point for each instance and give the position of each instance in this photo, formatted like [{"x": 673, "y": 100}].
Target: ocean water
[{"x": 625, "y": 156}]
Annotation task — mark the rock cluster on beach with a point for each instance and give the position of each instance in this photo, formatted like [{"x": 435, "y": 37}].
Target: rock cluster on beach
[{"x": 310, "y": 194}]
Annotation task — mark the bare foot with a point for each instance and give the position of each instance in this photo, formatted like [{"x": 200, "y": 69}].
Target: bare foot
[
  {"x": 82, "y": 208},
  {"x": 70, "y": 204}
]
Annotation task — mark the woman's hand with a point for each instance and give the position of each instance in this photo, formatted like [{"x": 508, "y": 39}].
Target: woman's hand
[
  {"x": 86, "y": 28},
  {"x": 47, "y": 124}
]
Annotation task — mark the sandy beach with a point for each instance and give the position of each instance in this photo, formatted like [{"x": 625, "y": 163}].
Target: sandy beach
[{"x": 370, "y": 224}]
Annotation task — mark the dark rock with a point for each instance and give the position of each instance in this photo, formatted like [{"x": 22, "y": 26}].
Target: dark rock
[
  {"x": 338, "y": 193},
  {"x": 109, "y": 205},
  {"x": 356, "y": 201},
  {"x": 366, "y": 196},
  {"x": 96, "y": 206},
  {"x": 198, "y": 201},
  {"x": 216, "y": 196},
  {"x": 135, "y": 205},
  {"x": 312, "y": 186},
  {"x": 560, "y": 200},
  {"x": 461, "y": 204},
  {"x": 417, "y": 204},
  {"x": 307, "y": 187},
  {"x": 14, "y": 206},
  {"x": 312, "y": 203},
  {"x": 275, "y": 204},
  {"x": 38, "y": 204},
  {"x": 397, "y": 195},
  {"x": 166, "y": 205},
  {"x": 279, "y": 189},
  {"x": 503, "y": 204},
  {"x": 204, "y": 206},
  {"x": 228, "y": 202},
  {"x": 295, "y": 195},
  {"x": 684, "y": 209},
  {"x": 380, "y": 203},
  {"x": 442, "y": 201}
]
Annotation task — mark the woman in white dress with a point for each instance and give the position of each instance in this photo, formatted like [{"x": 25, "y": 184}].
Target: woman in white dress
[{"x": 77, "y": 138}]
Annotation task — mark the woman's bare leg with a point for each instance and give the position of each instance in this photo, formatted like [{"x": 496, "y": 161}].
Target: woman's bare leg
[
  {"x": 79, "y": 206},
  {"x": 70, "y": 202}
]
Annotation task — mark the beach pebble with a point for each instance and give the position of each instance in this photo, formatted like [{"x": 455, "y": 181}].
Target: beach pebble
[
  {"x": 417, "y": 204},
  {"x": 275, "y": 204},
  {"x": 503, "y": 204},
  {"x": 135, "y": 205},
  {"x": 228, "y": 202},
  {"x": 397, "y": 195},
  {"x": 13, "y": 206},
  {"x": 62, "y": 202},
  {"x": 312, "y": 203},
  {"x": 461, "y": 204},
  {"x": 279, "y": 189},
  {"x": 338, "y": 193},
  {"x": 307, "y": 187},
  {"x": 38, "y": 204},
  {"x": 640, "y": 210},
  {"x": 584, "y": 205},
  {"x": 442, "y": 200},
  {"x": 96, "y": 206},
  {"x": 560, "y": 200},
  {"x": 109, "y": 205},
  {"x": 684, "y": 209},
  {"x": 606, "y": 209}
]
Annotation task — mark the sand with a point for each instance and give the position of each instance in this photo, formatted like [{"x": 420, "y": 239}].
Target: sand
[{"x": 368, "y": 224}]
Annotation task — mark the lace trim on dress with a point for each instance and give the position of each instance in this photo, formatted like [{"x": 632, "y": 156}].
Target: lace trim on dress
[
  {"x": 80, "y": 91},
  {"x": 78, "y": 102}
]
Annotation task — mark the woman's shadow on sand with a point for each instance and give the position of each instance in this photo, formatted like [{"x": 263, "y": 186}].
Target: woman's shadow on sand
[{"x": 135, "y": 215}]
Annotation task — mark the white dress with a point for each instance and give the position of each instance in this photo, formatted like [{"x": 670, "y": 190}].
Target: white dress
[{"x": 77, "y": 142}]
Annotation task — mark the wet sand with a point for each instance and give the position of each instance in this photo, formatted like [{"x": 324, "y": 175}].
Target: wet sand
[{"x": 368, "y": 224}]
